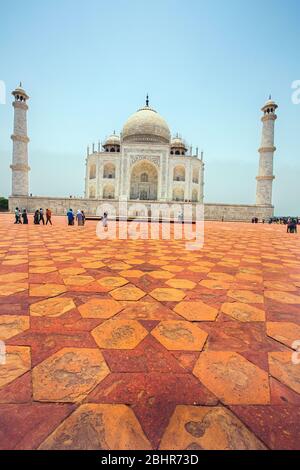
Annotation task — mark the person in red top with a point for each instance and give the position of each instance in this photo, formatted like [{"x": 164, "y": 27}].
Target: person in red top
[{"x": 48, "y": 216}]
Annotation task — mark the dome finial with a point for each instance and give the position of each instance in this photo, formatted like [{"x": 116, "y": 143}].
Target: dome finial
[
  {"x": 270, "y": 96},
  {"x": 147, "y": 100},
  {"x": 20, "y": 85}
]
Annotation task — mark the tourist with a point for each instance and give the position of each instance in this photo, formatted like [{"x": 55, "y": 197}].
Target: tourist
[
  {"x": 70, "y": 215},
  {"x": 79, "y": 217},
  {"x": 25, "y": 217},
  {"x": 36, "y": 217},
  {"x": 17, "y": 216},
  {"x": 83, "y": 217},
  {"x": 48, "y": 216},
  {"x": 42, "y": 215},
  {"x": 104, "y": 220}
]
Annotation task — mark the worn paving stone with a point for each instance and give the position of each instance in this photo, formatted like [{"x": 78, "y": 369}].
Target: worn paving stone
[
  {"x": 232, "y": 378},
  {"x": 165, "y": 294},
  {"x": 207, "y": 428},
  {"x": 243, "y": 312},
  {"x": 17, "y": 362},
  {"x": 100, "y": 308},
  {"x": 284, "y": 370},
  {"x": 53, "y": 307},
  {"x": 119, "y": 334},
  {"x": 12, "y": 325},
  {"x": 69, "y": 375},
  {"x": 196, "y": 311},
  {"x": 285, "y": 332},
  {"x": 46, "y": 290},
  {"x": 180, "y": 335},
  {"x": 98, "y": 427}
]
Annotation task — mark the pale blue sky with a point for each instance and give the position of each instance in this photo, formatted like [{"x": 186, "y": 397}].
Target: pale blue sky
[{"x": 207, "y": 66}]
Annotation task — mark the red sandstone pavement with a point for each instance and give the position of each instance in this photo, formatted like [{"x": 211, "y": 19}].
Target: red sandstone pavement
[{"x": 142, "y": 344}]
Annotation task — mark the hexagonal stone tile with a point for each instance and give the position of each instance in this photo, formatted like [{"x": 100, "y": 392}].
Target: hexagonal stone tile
[
  {"x": 68, "y": 375},
  {"x": 78, "y": 280},
  {"x": 243, "y": 312},
  {"x": 232, "y": 378},
  {"x": 284, "y": 332},
  {"x": 119, "y": 334},
  {"x": 39, "y": 262},
  {"x": 12, "y": 325},
  {"x": 100, "y": 308},
  {"x": 128, "y": 292},
  {"x": 283, "y": 369},
  {"x": 17, "y": 362},
  {"x": 246, "y": 296},
  {"x": 179, "y": 335},
  {"x": 52, "y": 307},
  {"x": 280, "y": 285},
  {"x": 119, "y": 266},
  {"x": 167, "y": 294},
  {"x": 14, "y": 262},
  {"x": 13, "y": 277},
  {"x": 282, "y": 296},
  {"x": 98, "y": 427},
  {"x": 132, "y": 273},
  {"x": 221, "y": 276},
  {"x": 42, "y": 269},
  {"x": 199, "y": 269},
  {"x": 215, "y": 284},
  {"x": 71, "y": 271},
  {"x": 196, "y": 311},
  {"x": 173, "y": 268},
  {"x": 10, "y": 289},
  {"x": 93, "y": 265},
  {"x": 249, "y": 277},
  {"x": 161, "y": 274},
  {"x": 109, "y": 283},
  {"x": 181, "y": 283},
  {"x": 207, "y": 428},
  {"x": 146, "y": 311},
  {"x": 46, "y": 290}
]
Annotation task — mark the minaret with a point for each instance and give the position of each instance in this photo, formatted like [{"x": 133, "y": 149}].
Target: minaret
[
  {"x": 265, "y": 171},
  {"x": 20, "y": 168}
]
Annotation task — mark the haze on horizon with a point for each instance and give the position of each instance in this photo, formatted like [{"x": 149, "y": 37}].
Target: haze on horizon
[{"x": 208, "y": 69}]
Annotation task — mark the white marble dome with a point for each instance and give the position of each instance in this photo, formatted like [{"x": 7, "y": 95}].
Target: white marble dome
[
  {"x": 113, "y": 139},
  {"x": 146, "y": 125}
]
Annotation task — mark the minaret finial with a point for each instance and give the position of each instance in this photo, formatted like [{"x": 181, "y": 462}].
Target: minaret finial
[
  {"x": 20, "y": 85},
  {"x": 270, "y": 96},
  {"x": 147, "y": 100}
]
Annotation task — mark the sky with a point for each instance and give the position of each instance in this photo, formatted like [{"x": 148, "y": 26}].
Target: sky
[{"x": 208, "y": 68}]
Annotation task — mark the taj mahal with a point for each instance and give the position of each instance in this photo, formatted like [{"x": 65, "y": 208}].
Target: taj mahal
[{"x": 143, "y": 163}]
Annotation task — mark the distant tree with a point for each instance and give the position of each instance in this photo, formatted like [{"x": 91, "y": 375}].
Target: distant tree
[{"x": 3, "y": 204}]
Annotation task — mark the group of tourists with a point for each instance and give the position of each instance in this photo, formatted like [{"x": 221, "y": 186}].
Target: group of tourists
[
  {"x": 292, "y": 225},
  {"x": 39, "y": 217},
  {"x": 21, "y": 216},
  {"x": 79, "y": 216}
]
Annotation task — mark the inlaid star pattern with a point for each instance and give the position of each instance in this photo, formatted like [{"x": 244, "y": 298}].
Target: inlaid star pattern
[{"x": 176, "y": 349}]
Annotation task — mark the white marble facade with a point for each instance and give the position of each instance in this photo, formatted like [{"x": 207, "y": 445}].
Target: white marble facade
[{"x": 144, "y": 163}]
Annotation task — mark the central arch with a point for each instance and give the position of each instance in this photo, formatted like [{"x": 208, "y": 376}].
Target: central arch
[{"x": 144, "y": 181}]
